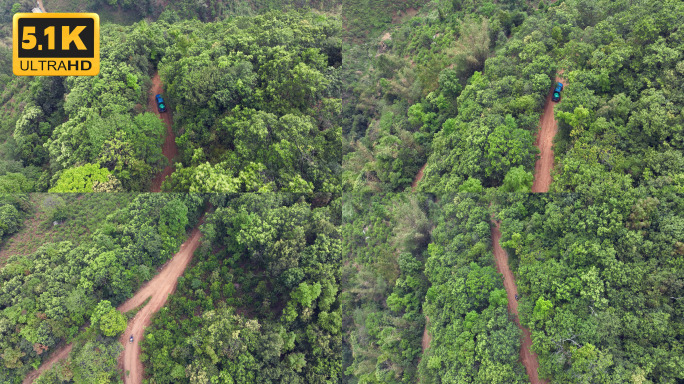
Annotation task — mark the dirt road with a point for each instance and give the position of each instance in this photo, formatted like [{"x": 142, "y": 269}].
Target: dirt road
[
  {"x": 170, "y": 150},
  {"x": 527, "y": 356},
  {"x": 547, "y": 131},
  {"x": 40, "y": 5},
  {"x": 418, "y": 178},
  {"x": 158, "y": 290},
  {"x": 426, "y": 335},
  {"x": 58, "y": 355}
]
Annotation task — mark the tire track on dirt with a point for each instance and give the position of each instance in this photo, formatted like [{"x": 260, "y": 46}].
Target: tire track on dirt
[
  {"x": 426, "y": 336},
  {"x": 169, "y": 148},
  {"x": 548, "y": 127},
  {"x": 527, "y": 356},
  {"x": 158, "y": 290}
]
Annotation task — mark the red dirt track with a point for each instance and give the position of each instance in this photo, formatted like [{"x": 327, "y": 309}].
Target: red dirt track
[
  {"x": 60, "y": 354},
  {"x": 527, "y": 356},
  {"x": 158, "y": 290},
  {"x": 418, "y": 178},
  {"x": 547, "y": 131},
  {"x": 170, "y": 150}
]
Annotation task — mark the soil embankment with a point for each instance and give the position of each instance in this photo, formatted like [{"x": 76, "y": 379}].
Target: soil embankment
[
  {"x": 527, "y": 356},
  {"x": 418, "y": 178},
  {"x": 170, "y": 150},
  {"x": 426, "y": 335},
  {"x": 548, "y": 128}
]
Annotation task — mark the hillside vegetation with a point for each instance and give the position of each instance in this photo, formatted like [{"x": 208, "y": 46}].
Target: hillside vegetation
[
  {"x": 260, "y": 303},
  {"x": 49, "y": 294},
  {"x": 461, "y": 85},
  {"x": 274, "y": 71}
]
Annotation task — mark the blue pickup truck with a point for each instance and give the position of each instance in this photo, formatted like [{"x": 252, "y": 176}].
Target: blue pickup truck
[
  {"x": 160, "y": 103},
  {"x": 557, "y": 92}
]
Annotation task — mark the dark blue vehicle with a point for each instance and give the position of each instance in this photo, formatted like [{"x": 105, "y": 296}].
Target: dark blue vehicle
[
  {"x": 160, "y": 103},
  {"x": 557, "y": 92}
]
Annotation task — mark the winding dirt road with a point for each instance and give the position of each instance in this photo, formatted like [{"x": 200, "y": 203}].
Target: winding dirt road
[
  {"x": 169, "y": 149},
  {"x": 527, "y": 356},
  {"x": 547, "y": 131},
  {"x": 158, "y": 290}
]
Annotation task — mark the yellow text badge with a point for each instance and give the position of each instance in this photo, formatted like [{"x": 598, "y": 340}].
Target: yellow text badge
[{"x": 56, "y": 44}]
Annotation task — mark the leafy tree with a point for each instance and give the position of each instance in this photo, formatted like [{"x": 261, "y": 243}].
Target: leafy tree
[
  {"x": 518, "y": 180},
  {"x": 110, "y": 321},
  {"x": 85, "y": 178}
]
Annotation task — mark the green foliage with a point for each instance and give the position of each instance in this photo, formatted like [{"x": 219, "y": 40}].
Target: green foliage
[
  {"x": 305, "y": 294},
  {"x": 12, "y": 210},
  {"x": 97, "y": 120},
  {"x": 466, "y": 302},
  {"x": 464, "y": 90},
  {"x": 229, "y": 321},
  {"x": 86, "y": 178},
  {"x": 49, "y": 294},
  {"x": 618, "y": 122},
  {"x": 383, "y": 286},
  {"x": 597, "y": 273},
  {"x": 542, "y": 309},
  {"x": 93, "y": 361},
  {"x": 110, "y": 321},
  {"x": 423, "y": 98},
  {"x": 369, "y": 17},
  {"x": 472, "y": 185},
  {"x": 518, "y": 180},
  {"x": 256, "y": 110}
]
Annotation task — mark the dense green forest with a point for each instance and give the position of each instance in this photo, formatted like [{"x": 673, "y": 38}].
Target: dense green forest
[
  {"x": 461, "y": 85},
  {"x": 409, "y": 257},
  {"x": 13, "y": 210},
  {"x": 255, "y": 101},
  {"x": 385, "y": 243},
  {"x": 307, "y": 289},
  {"x": 48, "y": 294},
  {"x": 601, "y": 278},
  {"x": 260, "y": 302},
  {"x": 458, "y": 85},
  {"x": 474, "y": 339},
  {"x": 333, "y": 272},
  {"x": 599, "y": 275},
  {"x": 223, "y": 79}
]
